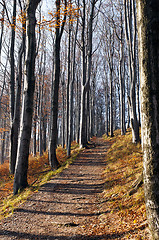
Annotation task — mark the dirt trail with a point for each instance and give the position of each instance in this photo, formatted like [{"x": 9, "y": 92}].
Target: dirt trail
[{"x": 67, "y": 207}]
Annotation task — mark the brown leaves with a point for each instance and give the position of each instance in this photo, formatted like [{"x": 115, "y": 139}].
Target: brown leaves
[{"x": 123, "y": 167}]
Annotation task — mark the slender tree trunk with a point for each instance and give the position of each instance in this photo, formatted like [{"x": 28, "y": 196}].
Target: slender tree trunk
[
  {"x": 86, "y": 85},
  {"x": 12, "y": 62},
  {"x": 4, "y": 83},
  {"x": 111, "y": 103},
  {"x": 130, "y": 32},
  {"x": 41, "y": 105},
  {"x": 16, "y": 120},
  {"x": 106, "y": 106},
  {"x": 70, "y": 135},
  {"x": 2, "y": 30},
  {"x": 20, "y": 178},
  {"x": 54, "y": 131},
  {"x": 90, "y": 45},
  {"x": 93, "y": 88},
  {"x": 148, "y": 29},
  {"x": 122, "y": 85},
  {"x": 83, "y": 139},
  {"x": 3, "y": 142},
  {"x": 53, "y": 141},
  {"x": 68, "y": 92},
  {"x": 12, "y": 88},
  {"x": 63, "y": 113},
  {"x": 78, "y": 100},
  {"x": 34, "y": 136}
]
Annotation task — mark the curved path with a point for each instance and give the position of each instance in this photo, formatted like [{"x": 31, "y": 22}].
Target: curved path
[{"x": 67, "y": 207}]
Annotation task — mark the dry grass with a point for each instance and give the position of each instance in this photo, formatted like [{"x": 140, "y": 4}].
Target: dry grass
[{"x": 123, "y": 167}]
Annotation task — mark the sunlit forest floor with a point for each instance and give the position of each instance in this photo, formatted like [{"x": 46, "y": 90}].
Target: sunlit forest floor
[
  {"x": 93, "y": 201},
  {"x": 124, "y": 203}
]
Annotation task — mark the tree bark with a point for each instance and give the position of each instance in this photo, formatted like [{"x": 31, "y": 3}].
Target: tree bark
[
  {"x": 20, "y": 178},
  {"x": 148, "y": 29},
  {"x": 54, "y": 131},
  {"x": 130, "y": 32},
  {"x": 12, "y": 62},
  {"x": 70, "y": 134},
  {"x": 16, "y": 120},
  {"x": 82, "y": 139},
  {"x": 69, "y": 80}
]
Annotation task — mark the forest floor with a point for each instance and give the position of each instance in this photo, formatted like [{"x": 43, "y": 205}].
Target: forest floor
[{"x": 85, "y": 201}]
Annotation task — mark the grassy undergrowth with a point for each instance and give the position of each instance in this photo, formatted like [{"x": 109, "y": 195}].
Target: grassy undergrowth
[
  {"x": 123, "y": 167},
  {"x": 39, "y": 173}
]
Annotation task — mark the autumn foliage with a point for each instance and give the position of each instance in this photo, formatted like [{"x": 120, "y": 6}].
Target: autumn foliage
[{"x": 123, "y": 167}]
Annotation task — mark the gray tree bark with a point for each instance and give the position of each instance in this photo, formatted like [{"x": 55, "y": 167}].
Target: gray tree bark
[
  {"x": 70, "y": 133},
  {"x": 63, "y": 113},
  {"x": 54, "y": 132},
  {"x": 148, "y": 30},
  {"x": 82, "y": 139},
  {"x": 12, "y": 62},
  {"x": 130, "y": 32},
  {"x": 20, "y": 178},
  {"x": 16, "y": 120},
  {"x": 69, "y": 79},
  {"x": 85, "y": 115}
]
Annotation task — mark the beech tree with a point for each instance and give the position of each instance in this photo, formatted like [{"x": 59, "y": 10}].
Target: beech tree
[
  {"x": 54, "y": 111},
  {"x": 16, "y": 117},
  {"x": 131, "y": 33},
  {"x": 86, "y": 72},
  {"x": 70, "y": 125},
  {"x": 148, "y": 29},
  {"x": 20, "y": 178}
]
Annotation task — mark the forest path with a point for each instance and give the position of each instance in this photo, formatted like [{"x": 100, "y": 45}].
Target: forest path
[{"x": 67, "y": 207}]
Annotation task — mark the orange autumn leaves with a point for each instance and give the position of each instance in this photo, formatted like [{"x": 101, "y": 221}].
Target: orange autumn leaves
[
  {"x": 52, "y": 22},
  {"x": 123, "y": 168},
  {"x": 48, "y": 22}
]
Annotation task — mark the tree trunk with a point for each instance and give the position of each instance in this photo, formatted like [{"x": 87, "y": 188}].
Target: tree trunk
[
  {"x": 70, "y": 134},
  {"x": 54, "y": 131},
  {"x": 148, "y": 29},
  {"x": 16, "y": 120},
  {"x": 20, "y": 178},
  {"x": 130, "y": 32},
  {"x": 2, "y": 29},
  {"x": 68, "y": 87},
  {"x": 12, "y": 62},
  {"x": 92, "y": 117},
  {"x": 122, "y": 86},
  {"x": 3, "y": 142},
  {"x": 83, "y": 139},
  {"x": 78, "y": 100},
  {"x": 12, "y": 90},
  {"x": 63, "y": 113},
  {"x": 53, "y": 141},
  {"x": 111, "y": 103}
]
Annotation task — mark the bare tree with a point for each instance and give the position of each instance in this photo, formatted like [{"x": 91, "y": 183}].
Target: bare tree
[
  {"x": 54, "y": 131},
  {"x": 20, "y": 178},
  {"x": 131, "y": 33},
  {"x": 16, "y": 118}
]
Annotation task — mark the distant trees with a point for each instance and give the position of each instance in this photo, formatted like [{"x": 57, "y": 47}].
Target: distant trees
[
  {"x": 85, "y": 58},
  {"x": 84, "y": 70},
  {"x": 85, "y": 74},
  {"x": 148, "y": 28}
]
